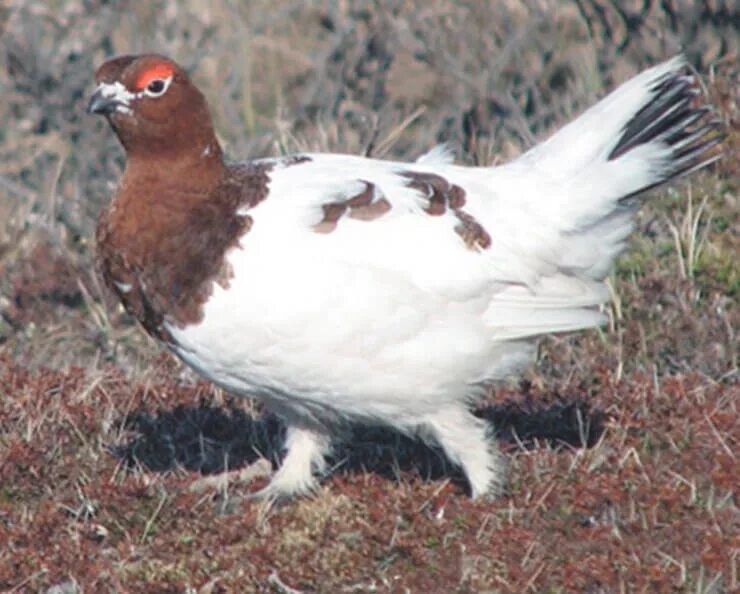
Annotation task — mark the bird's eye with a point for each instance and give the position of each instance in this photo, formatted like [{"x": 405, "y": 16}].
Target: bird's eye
[{"x": 156, "y": 87}]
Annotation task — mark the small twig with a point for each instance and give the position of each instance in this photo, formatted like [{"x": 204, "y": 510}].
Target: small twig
[
  {"x": 31, "y": 577},
  {"x": 720, "y": 439},
  {"x": 394, "y": 134},
  {"x": 152, "y": 519},
  {"x": 220, "y": 481},
  {"x": 16, "y": 189},
  {"x": 275, "y": 581}
]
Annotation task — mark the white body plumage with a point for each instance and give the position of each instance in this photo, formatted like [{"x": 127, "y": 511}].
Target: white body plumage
[{"x": 396, "y": 320}]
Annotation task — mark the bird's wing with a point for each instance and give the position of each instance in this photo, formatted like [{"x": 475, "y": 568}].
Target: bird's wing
[
  {"x": 532, "y": 239},
  {"x": 434, "y": 231}
]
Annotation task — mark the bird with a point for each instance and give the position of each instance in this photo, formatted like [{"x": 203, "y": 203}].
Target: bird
[{"x": 338, "y": 288}]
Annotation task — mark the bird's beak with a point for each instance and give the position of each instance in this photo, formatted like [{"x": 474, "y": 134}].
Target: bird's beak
[{"x": 101, "y": 104}]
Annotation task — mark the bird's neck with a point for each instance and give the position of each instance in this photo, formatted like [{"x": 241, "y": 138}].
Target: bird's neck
[{"x": 195, "y": 168}]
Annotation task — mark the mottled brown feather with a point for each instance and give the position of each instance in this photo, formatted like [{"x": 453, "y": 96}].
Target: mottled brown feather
[
  {"x": 443, "y": 195},
  {"x": 368, "y": 205},
  {"x": 472, "y": 232},
  {"x": 372, "y": 211},
  {"x": 434, "y": 187}
]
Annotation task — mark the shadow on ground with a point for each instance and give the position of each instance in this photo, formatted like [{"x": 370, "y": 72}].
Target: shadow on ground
[{"x": 210, "y": 439}]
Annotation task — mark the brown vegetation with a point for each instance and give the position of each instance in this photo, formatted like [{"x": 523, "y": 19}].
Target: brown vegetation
[{"x": 623, "y": 441}]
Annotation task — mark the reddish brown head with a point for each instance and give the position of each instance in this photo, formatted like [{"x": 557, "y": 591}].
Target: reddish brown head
[{"x": 153, "y": 107}]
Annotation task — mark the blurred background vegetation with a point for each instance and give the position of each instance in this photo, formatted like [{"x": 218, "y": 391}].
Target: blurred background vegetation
[{"x": 388, "y": 78}]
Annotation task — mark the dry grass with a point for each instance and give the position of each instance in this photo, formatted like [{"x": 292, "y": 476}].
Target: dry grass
[{"x": 623, "y": 441}]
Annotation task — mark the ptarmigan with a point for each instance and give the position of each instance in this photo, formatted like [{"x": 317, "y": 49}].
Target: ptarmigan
[{"x": 335, "y": 287}]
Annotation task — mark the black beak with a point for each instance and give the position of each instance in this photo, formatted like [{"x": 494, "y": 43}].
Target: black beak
[{"x": 101, "y": 105}]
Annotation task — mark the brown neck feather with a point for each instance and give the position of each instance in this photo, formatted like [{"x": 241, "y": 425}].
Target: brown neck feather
[{"x": 197, "y": 169}]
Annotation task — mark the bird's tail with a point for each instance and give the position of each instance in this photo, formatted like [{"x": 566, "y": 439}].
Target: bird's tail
[
  {"x": 651, "y": 129},
  {"x": 582, "y": 185}
]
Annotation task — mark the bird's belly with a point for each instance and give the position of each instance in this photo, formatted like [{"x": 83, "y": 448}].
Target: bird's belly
[{"x": 345, "y": 340}]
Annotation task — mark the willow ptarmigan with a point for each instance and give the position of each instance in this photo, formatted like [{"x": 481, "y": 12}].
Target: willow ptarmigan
[{"x": 337, "y": 287}]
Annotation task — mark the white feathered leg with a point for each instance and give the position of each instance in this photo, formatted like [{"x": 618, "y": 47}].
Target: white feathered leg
[
  {"x": 468, "y": 441},
  {"x": 304, "y": 459}
]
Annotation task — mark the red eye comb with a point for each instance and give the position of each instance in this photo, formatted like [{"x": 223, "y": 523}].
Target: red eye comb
[{"x": 158, "y": 71}]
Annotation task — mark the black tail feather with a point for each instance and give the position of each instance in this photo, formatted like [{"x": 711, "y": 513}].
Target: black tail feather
[{"x": 677, "y": 117}]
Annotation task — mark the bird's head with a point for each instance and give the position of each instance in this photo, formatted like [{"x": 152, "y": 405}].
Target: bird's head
[{"x": 152, "y": 106}]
